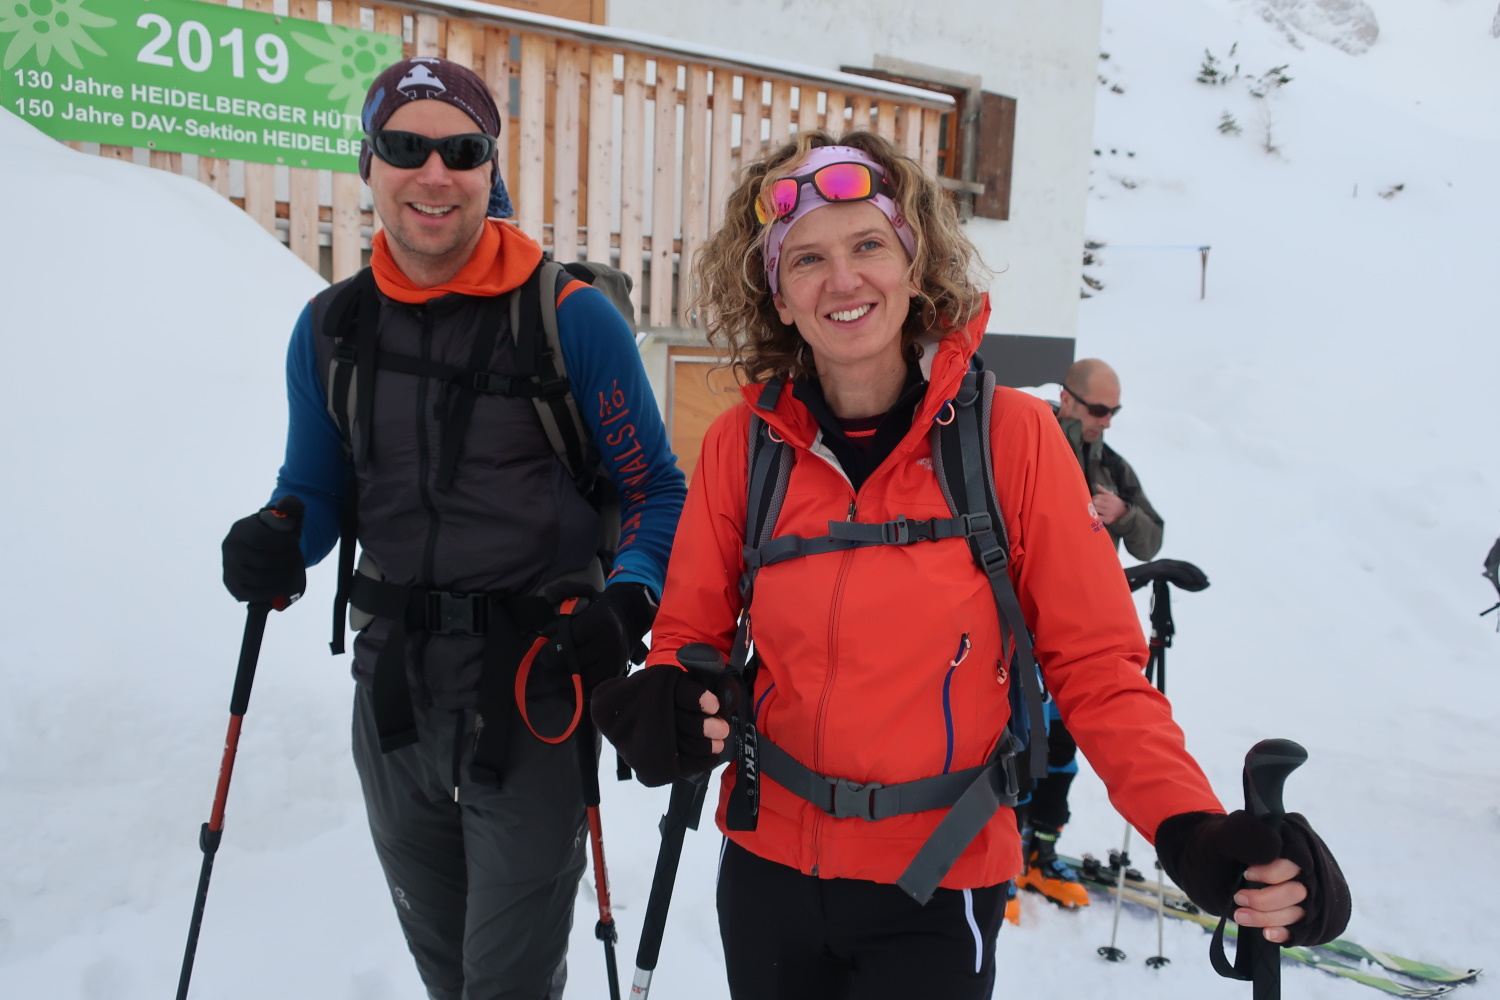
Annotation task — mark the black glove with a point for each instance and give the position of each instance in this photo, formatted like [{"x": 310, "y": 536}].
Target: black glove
[
  {"x": 1207, "y": 854},
  {"x": 608, "y": 630},
  {"x": 654, "y": 719},
  {"x": 1184, "y": 574},
  {"x": 263, "y": 554}
]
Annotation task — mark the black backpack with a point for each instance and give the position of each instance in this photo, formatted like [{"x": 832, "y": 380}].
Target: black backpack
[
  {"x": 352, "y": 319},
  {"x": 510, "y": 623}
]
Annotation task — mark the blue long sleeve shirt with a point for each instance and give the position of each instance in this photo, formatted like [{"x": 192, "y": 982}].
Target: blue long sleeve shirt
[{"x": 614, "y": 398}]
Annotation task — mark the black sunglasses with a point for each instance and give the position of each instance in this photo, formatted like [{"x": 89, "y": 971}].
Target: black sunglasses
[
  {"x": 1096, "y": 410},
  {"x": 408, "y": 150}
]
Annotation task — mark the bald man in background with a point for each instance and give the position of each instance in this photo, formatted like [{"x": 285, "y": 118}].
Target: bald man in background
[{"x": 1089, "y": 401}]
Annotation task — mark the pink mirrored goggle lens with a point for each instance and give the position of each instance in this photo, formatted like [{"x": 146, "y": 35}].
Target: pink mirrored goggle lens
[
  {"x": 835, "y": 182},
  {"x": 784, "y": 197},
  {"x": 844, "y": 182}
]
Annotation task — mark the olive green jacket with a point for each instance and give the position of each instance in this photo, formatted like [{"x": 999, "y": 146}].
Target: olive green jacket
[{"x": 1140, "y": 528}]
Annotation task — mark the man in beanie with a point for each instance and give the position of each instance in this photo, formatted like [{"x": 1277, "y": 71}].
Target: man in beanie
[{"x": 417, "y": 421}]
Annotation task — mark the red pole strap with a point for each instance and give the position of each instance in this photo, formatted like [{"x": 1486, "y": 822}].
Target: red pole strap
[{"x": 523, "y": 673}]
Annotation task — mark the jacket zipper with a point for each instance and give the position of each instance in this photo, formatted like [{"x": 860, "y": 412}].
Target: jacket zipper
[
  {"x": 838, "y": 594},
  {"x": 424, "y": 472},
  {"x": 458, "y": 751},
  {"x": 424, "y": 457}
]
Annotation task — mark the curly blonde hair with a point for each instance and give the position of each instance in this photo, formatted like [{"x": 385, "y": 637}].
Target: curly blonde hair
[{"x": 733, "y": 296}]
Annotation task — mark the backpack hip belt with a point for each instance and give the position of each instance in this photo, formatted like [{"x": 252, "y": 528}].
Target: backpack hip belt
[
  {"x": 971, "y": 797},
  {"x": 510, "y": 625}
]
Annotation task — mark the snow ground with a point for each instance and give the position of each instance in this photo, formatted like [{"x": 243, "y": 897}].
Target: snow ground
[{"x": 1319, "y": 433}]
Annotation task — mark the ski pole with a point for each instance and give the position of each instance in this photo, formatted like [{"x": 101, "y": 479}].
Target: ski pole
[
  {"x": 1162, "y": 630},
  {"x": 1109, "y": 951},
  {"x": 684, "y": 809},
  {"x": 604, "y": 930},
  {"x": 239, "y": 701},
  {"x": 1159, "y": 960},
  {"x": 1267, "y": 766}
]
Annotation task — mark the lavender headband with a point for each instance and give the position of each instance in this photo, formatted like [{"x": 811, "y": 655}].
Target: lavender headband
[{"x": 811, "y": 201}]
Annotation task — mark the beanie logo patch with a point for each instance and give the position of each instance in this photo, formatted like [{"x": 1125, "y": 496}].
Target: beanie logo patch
[{"x": 420, "y": 77}]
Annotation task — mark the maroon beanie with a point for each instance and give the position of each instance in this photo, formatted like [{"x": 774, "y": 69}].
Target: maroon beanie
[{"x": 426, "y": 78}]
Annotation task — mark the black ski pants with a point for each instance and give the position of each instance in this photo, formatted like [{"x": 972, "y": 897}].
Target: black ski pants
[
  {"x": 1049, "y": 800},
  {"x": 484, "y": 885},
  {"x": 790, "y": 936}
]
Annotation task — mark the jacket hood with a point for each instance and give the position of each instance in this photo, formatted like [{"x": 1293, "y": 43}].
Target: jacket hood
[
  {"x": 503, "y": 260},
  {"x": 944, "y": 362}
]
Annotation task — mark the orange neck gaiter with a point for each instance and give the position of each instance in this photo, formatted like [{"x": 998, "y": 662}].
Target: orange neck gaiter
[{"x": 503, "y": 260}]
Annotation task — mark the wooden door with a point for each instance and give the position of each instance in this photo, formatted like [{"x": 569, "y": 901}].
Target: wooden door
[{"x": 699, "y": 387}]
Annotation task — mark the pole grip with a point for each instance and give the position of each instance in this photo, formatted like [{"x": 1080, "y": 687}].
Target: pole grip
[
  {"x": 1267, "y": 766},
  {"x": 704, "y": 662},
  {"x": 285, "y": 516},
  {"x": 244, "y": 675}
]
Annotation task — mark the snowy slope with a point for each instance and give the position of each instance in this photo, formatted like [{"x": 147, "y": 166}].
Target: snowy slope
[{"x": 1319, "y": 433}]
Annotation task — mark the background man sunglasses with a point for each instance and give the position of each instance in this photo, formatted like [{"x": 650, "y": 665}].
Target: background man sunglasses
[{"x": 1096, "y": 410}]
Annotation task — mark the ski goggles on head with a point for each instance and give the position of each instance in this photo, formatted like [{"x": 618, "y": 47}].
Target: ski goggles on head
[
  {"x": 408, "y": 150},
  {"x": 835, "y": 174},
  {"x": 833, "y": 182}
]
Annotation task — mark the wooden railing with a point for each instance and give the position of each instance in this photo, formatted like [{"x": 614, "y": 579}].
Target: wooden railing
[{"x": 621, "y": 146}]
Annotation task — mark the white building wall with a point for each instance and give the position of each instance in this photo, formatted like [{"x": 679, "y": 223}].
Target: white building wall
[{"x": 1044, "y": 54}]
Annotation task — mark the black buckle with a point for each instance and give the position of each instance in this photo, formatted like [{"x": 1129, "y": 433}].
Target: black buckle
[
  {"x": 549, "y": 388},
  {"x": 904, "y": 532},
  {"x": 850, "y": 798},
  {"x": 493, "y": 384},
  {"x": 993, "y": 557},
  {"x": 455, "y": 614},
  {"x": 975, "y": 524},
  {"x": 1010, "y": 745},
  {"x": 897, "y": 532}
]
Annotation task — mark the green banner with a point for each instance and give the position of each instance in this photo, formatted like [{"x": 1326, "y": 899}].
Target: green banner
[{"x": 191, "y": 77}]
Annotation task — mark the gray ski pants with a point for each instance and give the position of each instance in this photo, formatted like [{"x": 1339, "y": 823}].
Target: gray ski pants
[{"x": 484, "y": 887}]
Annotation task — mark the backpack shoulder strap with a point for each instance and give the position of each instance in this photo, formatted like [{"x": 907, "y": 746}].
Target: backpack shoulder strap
[
  {"x": 770, "y": 469},
  {"x": 540, "y": 355},
  {"x": 963, "y": 460},
  {"x": 352, "y": 320}
]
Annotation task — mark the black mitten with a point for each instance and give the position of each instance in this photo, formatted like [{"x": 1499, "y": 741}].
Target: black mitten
[
  {"x": 654, "y": 719},
  {"x": 1207, "y": 854},
  {"x": 608, "y": 628},
  {"x": 263, "y": 554}
]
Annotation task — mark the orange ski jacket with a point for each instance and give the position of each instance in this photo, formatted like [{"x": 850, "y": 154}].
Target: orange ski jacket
[{"x": 861, "y": 675}]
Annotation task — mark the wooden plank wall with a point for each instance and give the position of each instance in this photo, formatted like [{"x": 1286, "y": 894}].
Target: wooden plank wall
[{"x": 611, "y": 151}]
